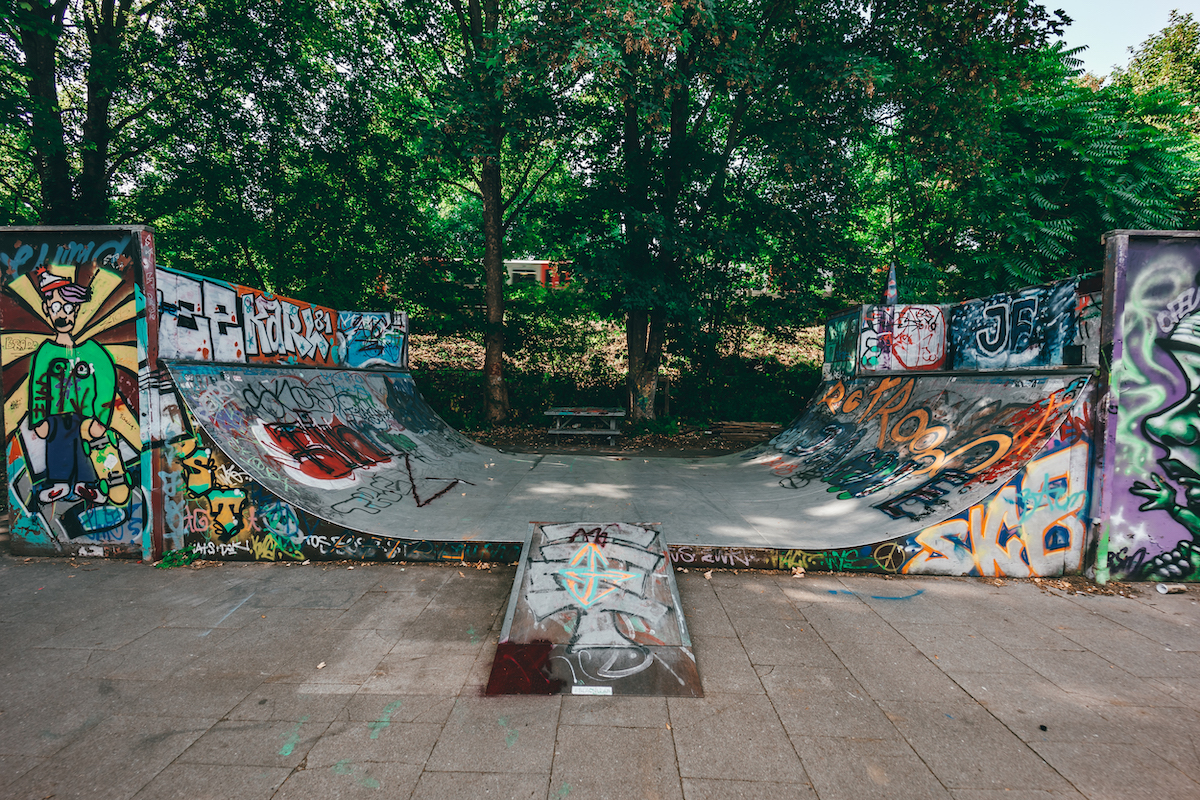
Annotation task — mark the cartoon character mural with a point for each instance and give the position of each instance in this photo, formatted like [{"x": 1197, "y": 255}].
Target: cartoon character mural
[
  {"x": 70, "y": 360},
  {"x": 1151, "y": 502}
]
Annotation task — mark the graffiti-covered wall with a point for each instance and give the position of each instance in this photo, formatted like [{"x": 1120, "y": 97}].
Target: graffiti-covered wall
[
  {"x": 1019, "y": 330},
  {"x": 902, "y": 338},
  {"x": 841, "y": 343},
  {"x": 71, "y": 310},
  {"x": 1151, "y": 499}
]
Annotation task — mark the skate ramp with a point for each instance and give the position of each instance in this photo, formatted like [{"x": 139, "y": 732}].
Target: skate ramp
[{"x": 870, "y": 460}]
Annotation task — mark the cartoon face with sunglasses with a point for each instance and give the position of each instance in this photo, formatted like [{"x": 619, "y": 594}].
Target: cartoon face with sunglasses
[{"x": 72, "y": 391}]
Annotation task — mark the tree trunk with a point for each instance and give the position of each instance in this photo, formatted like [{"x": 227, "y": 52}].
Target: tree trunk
[
  {"x": 41, "y": 25},
  {"x": 645, "y": 332},
  {"x": 483, "y": 29},
  {"x": 496, "y": 392},
  {"x": 103, "y": 74}
]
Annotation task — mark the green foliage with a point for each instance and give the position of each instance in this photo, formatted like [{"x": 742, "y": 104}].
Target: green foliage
[{"x": 178, "y": 558}]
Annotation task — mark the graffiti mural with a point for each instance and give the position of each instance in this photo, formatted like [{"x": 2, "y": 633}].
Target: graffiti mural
[
  {"x": 373, "y": 339},
  {"x": 283, "y": 331},
  {"x": 200, "y": 319},
  {"x": 69, "y": 348},
  {"x": 841, "y": 340},
  {"x": 1027, "y": 328},
  {"x": 1152, "y": 493},
  {"x": 895, "y": 338},
  {"x": 594, "y": 610}
]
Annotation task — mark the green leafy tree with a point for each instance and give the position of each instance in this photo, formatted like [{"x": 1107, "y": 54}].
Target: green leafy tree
[
  {"x": 85, "y": 93},
  {"x": 483, "y": 87}
]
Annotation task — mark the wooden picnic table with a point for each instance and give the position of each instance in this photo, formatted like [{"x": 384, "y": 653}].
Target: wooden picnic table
[{"x": 570, "y": 421}]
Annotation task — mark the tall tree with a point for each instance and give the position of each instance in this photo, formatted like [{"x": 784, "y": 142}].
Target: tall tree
[
  {"x": 85, "y": 96},
  {"x": 483, "y": 85}
]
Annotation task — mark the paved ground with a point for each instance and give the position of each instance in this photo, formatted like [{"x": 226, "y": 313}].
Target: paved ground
[{"x": 269, "y": 681}]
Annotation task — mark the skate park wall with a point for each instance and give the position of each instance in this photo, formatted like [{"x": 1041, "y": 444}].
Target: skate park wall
[
  {"x": 1150, "y": 470},
  {"x": 104, "y": 459},
  {"x": 93, "y": 425}
]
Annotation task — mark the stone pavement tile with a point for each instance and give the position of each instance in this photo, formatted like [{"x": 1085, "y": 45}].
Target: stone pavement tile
[
  {"x": 784, "y": 642},
  {"x": 380, "y": 740},
  {"x": 614, "y": 712},
  {"x": 864, "y": 769},
  {"x": 732, "y": 737},
  {"x": 755, "y": 599},
  {"x": 702, "y": 610},
  {"x": 724, "y": 666},
  {"x": 260, "y": 743},
  {"x": 155, "y": 656},
  {"x": 1137, "y": 654},
  {"x": 959, "y": 648},
  {"x": 419, "y": 579},
  {"x": 896, "y": 673},
  {"x": 706, "y": 789},
  {"x": 192, "y": 781},
  {"x": 261, "y": 646},
  {"x": 350, "y": 779},
  {"x": 382, "y": 610},
  {"x": 602, "y": 762},
  {"x": 28, "y": 634},
  {"x": 967, "y": 748},
  {"x": 230, "y": 607},
  {"x": 1024, "y": 634},
  {"x": 113, "y": 759},
  {"x": 290, "y": 702},
  {"x": 44, "y": 730},
  {"x": 401, "y": 672},
  {"x": 1085, "y": 673},
  {"x": 494, "y": 786},
  {"x": 13, "y": 767},
  {"x": 348, "y": 656},
  {"x": 194, "y": 696},
  {"x": 307, "y": 595},
  {"x": 1172, "y": 734},
  {"x": 824, "y": 701},
  {"x": 1116, "y": 771},
  {"x": 898, "y": 601},
  {"x": 379, "y": 708},
  {"x": 1184, "y": 691},
  {"x": 1052, "y": 609},
  {"x": 498, "y": 734},
  {"x": 1024, "y": 703},
  {"x": 450, "y": 630},
  {"x": 846, "y": 619},
  {"x": 29, "y": 669},
  {"x": 1016, "y": 794},
  {"x": 475, "y": 587},
  {"x": 109, "y": 632}
]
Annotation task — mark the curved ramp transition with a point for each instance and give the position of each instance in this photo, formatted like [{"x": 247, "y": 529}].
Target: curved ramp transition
[{"x": 871, "y": 460}]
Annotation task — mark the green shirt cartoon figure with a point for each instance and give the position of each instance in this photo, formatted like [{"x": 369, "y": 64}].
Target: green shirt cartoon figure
[{"x": 72, "y": 389}]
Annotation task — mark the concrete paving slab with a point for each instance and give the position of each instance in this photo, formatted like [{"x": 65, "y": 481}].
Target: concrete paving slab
[
  {"x": 636, "y": 762},
  {"x": 959, "y": 648},
  {"x": 509, "y": 733},
  {"x": 724, "y": 666},
  {"x": 711, "y": 734},
  {"x": 828, "y": 701},
  {"x": 113, "y": 759},
  {"x": 474, "y": 785},
  {"x": 1137, "y": 654},
  {"x": 614, "y": 712},
  {"x": 259, "y": 743},
  {"x": 380, "y": 740},
  {"x": 290, "y": 702},
  {"x": 1116, "y": 771},
  {"x": 382, "y": 709},
  {"x": 351, "y": 780},
  {"x": 816, "y": 717},
  {"x": 182, "y": 781},
  {"x": 1037, "y": 710},
  {"x": 968, "y": 748},
  {"x": 405, "y": 672},
  {"x": 866, "y": 769},
  {"x": 706, "y": 789},
  {"x": 382, "y": 610}
]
